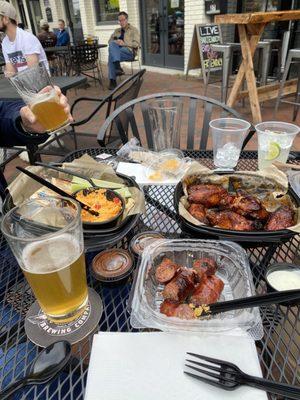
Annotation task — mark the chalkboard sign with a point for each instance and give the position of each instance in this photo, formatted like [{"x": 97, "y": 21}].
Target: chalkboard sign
[
  {"x": 49, "y": 14},
  {"x": 201, "y": 53},
  {"x": 208, "y": 35}
]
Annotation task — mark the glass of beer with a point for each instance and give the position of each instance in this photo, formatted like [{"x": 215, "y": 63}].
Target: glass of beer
[
  {"x": 35, "y": 87},
  {"x": 46, "y": 237}
]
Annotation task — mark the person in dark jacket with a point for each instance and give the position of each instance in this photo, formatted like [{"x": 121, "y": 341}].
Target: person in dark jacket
[
  {"x": 63, "y": 38},
  {"x": 46, "y": 37},
  {"x": 19, "y": 127}
]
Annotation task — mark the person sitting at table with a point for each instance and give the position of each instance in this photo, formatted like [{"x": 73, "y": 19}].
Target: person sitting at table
[
  {"x": 21, "y": 49},
  {"x": 47, "y": 38},
  {"x": 123, "y": 46},
  {"x": 63, "y": 37},
  {"x": 19, "y": 127}
]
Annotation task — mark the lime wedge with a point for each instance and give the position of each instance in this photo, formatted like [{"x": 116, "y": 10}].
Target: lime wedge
[{"x": 273, "y": 151}]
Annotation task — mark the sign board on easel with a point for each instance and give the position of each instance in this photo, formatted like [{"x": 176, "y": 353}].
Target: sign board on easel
[{"x": 201, "y": 54}]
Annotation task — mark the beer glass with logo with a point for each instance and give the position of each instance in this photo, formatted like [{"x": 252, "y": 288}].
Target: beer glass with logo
[
  {"x": 45, "y": 235},
  {"x": 36, "y": 89}
]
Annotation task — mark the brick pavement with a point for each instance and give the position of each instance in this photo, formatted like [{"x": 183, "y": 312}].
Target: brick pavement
[{"x": 154, "y": 83}]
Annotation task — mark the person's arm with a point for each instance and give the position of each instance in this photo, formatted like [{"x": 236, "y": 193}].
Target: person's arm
[
  {"x": 32, "y": 50},
  {"x": 112, "y": 37},
  {"x": 32, "y": 59},
  {"x": 19, "y": 126},
  {"x": 65, "y": 39},
  {"x": 10, "y": 69},
  {"x": 132, "y": 40},
  {"x": 11, "y": 130}
]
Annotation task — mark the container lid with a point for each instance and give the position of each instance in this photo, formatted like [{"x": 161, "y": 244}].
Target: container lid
[
  {"x": 112, "y": 265},
  {"x": 144, "y": 239}
]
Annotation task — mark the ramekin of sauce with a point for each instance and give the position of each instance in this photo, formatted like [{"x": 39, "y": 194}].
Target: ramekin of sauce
[
  {"x": 112, "y": 267},
  {"x": 142, "y": 240},
  {"x": 283, "y": 276}
]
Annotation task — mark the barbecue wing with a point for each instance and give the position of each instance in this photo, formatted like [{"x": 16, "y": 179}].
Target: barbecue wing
[
  {"x": 282, "y": 218},
  {"x": 207, "y": 195},
  {"x": 229, "y": 220}
]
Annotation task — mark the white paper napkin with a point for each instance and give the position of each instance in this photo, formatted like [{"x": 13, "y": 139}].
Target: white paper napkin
[{"x": 149, "y": 366}]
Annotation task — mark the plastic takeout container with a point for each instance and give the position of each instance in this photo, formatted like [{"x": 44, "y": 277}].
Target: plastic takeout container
[{"x": 233, "y": 269}]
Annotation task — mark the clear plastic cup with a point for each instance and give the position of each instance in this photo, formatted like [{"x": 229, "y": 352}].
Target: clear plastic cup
[
  {"x": 35, "y": 87},
  {"x": 165, "y": 122},
  {"x": 228, "y": 135},
  {"x": 275, "y": 140}
]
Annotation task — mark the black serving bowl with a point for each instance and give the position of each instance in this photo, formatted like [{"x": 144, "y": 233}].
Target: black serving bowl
[
  {"x": 281, "y": 267},
  {"x": 244, "y": 238},
  {"x": 94, "y": 239},
  {"x": 107, "y": 223}
]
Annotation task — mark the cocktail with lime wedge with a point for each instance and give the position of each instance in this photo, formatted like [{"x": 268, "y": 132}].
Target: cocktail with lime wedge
[{"x": 275, "y": 140}]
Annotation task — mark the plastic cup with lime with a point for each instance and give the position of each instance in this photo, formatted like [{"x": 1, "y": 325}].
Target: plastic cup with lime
[{"x": 275, "y": 140}]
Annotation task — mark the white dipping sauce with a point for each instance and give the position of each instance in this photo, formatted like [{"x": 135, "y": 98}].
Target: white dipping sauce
[{"x": 284, "y": 280}]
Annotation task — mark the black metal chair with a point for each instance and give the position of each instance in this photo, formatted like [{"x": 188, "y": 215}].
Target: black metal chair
[
  {"x": 126, "y": 91},
  {"x": 84, "y": 59},
  {"x": 132, "y": 119}
]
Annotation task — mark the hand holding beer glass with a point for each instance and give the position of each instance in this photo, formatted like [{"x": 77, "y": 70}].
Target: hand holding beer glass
[
  {"x": 36, "y": 89},
  {"x": 46, "y": 237}
]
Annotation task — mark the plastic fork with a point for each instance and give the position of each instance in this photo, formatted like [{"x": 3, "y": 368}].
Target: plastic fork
[{"x": 228, "y": 376}]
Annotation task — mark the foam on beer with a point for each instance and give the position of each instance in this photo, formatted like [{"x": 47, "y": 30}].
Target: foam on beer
[{"x": 50, "y": 255}]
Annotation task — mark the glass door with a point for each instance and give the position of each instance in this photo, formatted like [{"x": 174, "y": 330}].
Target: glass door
[
  {"x": 174, "y": 33},
  {"x": 152, "y": 12},
  {"x": 35, "y": 15},
  {"x": 74, "y": 19},
  {"x": 163, "y": 32}
]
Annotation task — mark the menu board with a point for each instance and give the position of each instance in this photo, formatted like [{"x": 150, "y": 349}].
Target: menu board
[
  {"x": 208, "y": 35},
  {"x": 201, "y": 53}
]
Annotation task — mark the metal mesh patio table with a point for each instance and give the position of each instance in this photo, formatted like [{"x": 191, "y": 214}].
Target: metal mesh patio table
[{"x": 278, "y": 351}]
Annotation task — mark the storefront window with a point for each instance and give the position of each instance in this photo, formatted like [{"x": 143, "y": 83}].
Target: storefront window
[{"x": 107, "y": 10}]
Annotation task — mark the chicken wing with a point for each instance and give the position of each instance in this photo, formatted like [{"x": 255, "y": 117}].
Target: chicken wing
[
  {"x": 246, "y": 205},
  {"x": 207, "y": 195},
  {"x": 229, "y": 220},
  {"x": 198, "y": 211},
  {"x": 282, "y": 218}
]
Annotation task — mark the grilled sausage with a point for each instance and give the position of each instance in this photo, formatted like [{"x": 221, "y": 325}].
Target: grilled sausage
[
  {"x": 166, "y": 271},
  {"x": 181, "y": 286},
  {"x": 168, "y": 307},
  {"x": 208, "y": 291},
  {"x": 203, "y": 295},
  {"x": 184, "y": 311},
  {"x": 204, "y": 266},
  {"x": 216, "y": 284}
]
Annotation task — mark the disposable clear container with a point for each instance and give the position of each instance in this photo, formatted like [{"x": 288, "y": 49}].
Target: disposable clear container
[
  {"x": 171, "y": 161},
  {"x": 233, "y": 269}
]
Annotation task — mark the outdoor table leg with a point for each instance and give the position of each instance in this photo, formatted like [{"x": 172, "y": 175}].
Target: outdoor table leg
[{"x": 249, "y": 40}]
